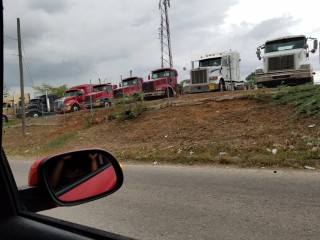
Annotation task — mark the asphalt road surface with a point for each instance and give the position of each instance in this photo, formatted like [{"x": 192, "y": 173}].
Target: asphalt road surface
[{"x": 175, "y": 202}]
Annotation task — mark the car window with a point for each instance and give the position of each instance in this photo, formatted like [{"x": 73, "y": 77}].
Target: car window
[{"x": 229, "y": 149}]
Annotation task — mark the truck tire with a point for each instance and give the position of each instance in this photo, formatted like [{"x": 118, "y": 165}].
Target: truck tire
[
  {"x": 222, "y": 86},
  {"x": 34, "y": 114},
  {"x": 75, "y": 108},
  {"x": 169, "y": 92},
  {"x": 5, "y": 118}
]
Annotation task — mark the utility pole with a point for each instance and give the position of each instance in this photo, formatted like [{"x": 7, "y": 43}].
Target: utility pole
[
  {"x": 21, "y": 80},
  {"x": 164, "y": 34}
]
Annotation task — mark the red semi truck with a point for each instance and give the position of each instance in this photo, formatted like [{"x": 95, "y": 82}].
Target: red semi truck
[
  {"x": 100, "y": 96},
  {"x": 73, "y": 99},
  {"x": 161, "y": 83},
  {"x": 131, "y": 86}
]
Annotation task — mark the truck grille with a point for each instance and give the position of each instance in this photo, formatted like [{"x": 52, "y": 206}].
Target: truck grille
[
  {"x": 199, "y": 76},
  {"x": 58, "y": 104},
  {"x": 148, "y": 87},
  {"x": 88, "y": 99},
  {"x": 117, "y": 93},
  {"x": 281, "y": 63}
]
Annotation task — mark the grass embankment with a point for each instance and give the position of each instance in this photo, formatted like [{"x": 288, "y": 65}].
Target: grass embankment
[{"x": 301, "y": 149}]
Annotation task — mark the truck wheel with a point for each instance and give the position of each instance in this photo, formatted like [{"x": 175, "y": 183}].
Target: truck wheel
[
  {"x": 222, "y": 86},
  {"x": 75, "y": 108},
  {"x": 169, "y": 92},
  {"x": 5, "y": 118},
  {"x": 35, "y": 114}
]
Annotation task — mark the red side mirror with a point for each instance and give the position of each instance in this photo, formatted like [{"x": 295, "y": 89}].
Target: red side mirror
[{"x": 76, "y": 177}]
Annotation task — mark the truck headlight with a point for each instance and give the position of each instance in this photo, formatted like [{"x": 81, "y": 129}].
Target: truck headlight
[
  {"x": 158, "y": 89},
  {"x": 213, "y": 78},
  {"x": 259, "y": 71},
  {"x": 305, "y": 67}
]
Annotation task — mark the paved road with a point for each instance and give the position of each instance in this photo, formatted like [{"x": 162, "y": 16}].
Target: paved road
[{"x": 172, "y": 202}]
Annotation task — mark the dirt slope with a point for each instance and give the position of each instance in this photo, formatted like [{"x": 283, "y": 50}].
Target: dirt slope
[{"x": 208, "y": 127}]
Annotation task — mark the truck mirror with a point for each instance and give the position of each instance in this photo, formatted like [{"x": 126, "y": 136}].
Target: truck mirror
[
  {"x": 315, "y": 44},
  {"x": 148, "y": 77},
  {"x": 119, "y": 84},
  {"x": 305, "y": 46},
  {"x": 258, "y": 52}
]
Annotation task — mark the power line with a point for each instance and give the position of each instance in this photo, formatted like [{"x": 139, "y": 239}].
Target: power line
[
  {"x": 10, "y": 38},
  {"x": 11, "y": 54},
  {"x": 25, "y": 61}
]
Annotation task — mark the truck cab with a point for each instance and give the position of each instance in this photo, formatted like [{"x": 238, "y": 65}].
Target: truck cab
[
  {"x": 215, "y": 72},
  {"x": 100, "y": 96},
  {"x": 12, "y": 103},
  {"x": 73, "y": 99},
  {"x": 285, "y": 61},
  {"x": 131, "y": 86},
  {"x": 161, "y": 83},
  {"x": 40, "y": 106}
]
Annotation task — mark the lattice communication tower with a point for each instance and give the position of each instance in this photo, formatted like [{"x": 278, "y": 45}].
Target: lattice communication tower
[{"x": 164, "y": 34}]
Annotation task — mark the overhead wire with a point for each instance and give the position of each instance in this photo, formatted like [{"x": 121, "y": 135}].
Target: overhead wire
[
  {"x": 25, "y": 61},
  {"x": 11, "y": 54}
]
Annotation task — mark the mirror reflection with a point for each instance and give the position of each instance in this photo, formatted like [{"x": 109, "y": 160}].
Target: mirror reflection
[{"x": 80, "y": 175}]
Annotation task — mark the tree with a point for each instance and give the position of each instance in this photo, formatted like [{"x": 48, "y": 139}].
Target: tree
[
  {"x": 5, "y": 92},
  {"x": 251, "y": 77},
  {"x": 251, "y": 80},
  {"x": 43, "y": 88}
]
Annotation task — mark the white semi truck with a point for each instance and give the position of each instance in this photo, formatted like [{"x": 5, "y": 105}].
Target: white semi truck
[
  {"x": 285, "y": 61},
  {"x": 216, "y": 71}
]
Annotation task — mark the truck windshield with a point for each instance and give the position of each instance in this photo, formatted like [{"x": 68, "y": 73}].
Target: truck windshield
[
  {"x": 71, "y": 93},
  {"x": 99, "y": 88},
  {"x": 210, "y": 62},
  {"x": 35, "y": 101},
  {"x": 129, "y": 82},
  {"x": 160, "y": 74},
  {"x": 285, "y": 44},
  {"x": 102, "y": 88}
]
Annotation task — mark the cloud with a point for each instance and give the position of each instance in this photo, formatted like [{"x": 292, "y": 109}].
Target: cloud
[
  {"x": 75, "y": 41},
  {"x": 50, "y": 7}
]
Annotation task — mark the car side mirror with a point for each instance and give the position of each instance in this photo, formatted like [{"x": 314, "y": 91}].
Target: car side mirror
[{"x": 76, "y": 177}]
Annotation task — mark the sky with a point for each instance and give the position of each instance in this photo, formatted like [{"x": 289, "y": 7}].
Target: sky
[{"x": 71, "y": 42}]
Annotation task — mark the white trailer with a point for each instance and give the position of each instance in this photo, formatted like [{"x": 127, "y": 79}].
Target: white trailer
[
  {"x": 216, "y": 71},
  {"x": 285, "y": 61}
]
